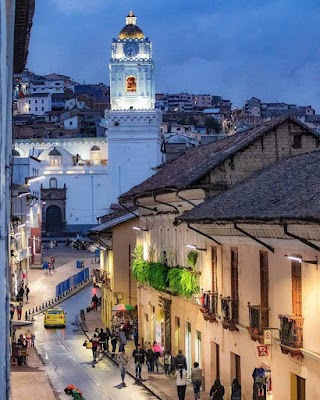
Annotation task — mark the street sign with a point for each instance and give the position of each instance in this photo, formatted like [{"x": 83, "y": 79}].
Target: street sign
[
  {"x": 262, "y": 351},
  {"x": 267, "y": 337}
]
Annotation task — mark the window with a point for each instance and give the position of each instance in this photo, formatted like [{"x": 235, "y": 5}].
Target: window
[
  {"x": 36, "y": 108},
  {"x": 42, "y": 101},
  {"x": 29, "y": 109},
  {"x": 264, "y": 288},
  {"x": 234, "y": 284},
  {"x": 42, "y": 108},
  {"x": 36, "y": 101},
  {"x": 297, "y": 141},
  {"x": 131, "y": 84},
  {"x": 29, "y": 101},
  {"x": 53, "y": 183},
  {"x": 70, "y": 123},
  {"x": 296, "y": 288},
  {"x": 214, "y": 271}
]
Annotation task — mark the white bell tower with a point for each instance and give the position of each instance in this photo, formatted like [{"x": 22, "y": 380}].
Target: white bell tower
[{"x": 134, "y": 135}]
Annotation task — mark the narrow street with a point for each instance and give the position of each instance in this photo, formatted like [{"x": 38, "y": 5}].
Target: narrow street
[{"x": 67, "y": 361}]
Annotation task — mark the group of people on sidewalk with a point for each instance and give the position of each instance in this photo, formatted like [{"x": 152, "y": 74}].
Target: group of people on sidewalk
[{"x": 48, "y": 266}]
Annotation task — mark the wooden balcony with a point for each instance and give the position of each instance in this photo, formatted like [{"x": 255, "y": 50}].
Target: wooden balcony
[
  {"x": 230, "y": 313},
  {"x": 209, "y": 306},
  {"x": 291, "y": 335},
  {"x": 259, "y": 320}
]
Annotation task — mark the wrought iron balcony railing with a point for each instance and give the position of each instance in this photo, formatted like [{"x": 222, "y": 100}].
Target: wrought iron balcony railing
[
  {"x": 259, "y": 320},
  {"x": 230, "y": 312},
  {"x": 209, "y": 305},
  {"x": 291, "y": 334}
]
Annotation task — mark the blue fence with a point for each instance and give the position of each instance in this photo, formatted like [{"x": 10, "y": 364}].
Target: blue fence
[{"x": 72, "y": 281}]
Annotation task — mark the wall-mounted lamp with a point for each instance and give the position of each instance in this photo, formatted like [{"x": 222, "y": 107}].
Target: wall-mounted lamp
[
  {"x": 194, "y": 247},
  {"x": 136, "y": 228},
  {"x": 300, "y": 259}
]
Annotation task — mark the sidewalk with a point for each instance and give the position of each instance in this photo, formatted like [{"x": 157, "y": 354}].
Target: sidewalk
[{"x": 159, "y": 384}]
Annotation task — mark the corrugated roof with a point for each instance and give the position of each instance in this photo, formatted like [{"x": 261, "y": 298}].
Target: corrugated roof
[
  {"x": 115, "y": 219},
  {"x": 187, "y": 169},
  {"x": 288, "y": 190}
]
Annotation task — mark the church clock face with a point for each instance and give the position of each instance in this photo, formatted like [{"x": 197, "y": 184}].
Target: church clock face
[{"x": 130, "y": 49}]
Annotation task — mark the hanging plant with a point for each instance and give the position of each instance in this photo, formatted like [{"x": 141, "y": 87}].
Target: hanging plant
[
  {"x": 192, "y": 258},
  {"x": 183, "y": 282},
  {"x": 157, "y": 273}
]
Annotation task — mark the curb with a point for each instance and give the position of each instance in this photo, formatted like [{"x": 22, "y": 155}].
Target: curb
[
  {"x": 149, "y": 386},
  {"x": 66, "y": 295}
]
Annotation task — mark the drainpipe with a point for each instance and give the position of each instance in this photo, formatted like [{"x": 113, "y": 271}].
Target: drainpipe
[
  {"x": 203, "y": 234},
  {"x": 166, "y": 204}
]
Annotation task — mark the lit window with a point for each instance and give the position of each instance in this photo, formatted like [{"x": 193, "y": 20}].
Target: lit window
[
  {"x": 131, "y": 84},
  {"x": 53, "y": 183}
]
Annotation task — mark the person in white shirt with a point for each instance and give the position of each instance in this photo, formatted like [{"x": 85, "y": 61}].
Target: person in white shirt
[{"x": 181, "y": 379}]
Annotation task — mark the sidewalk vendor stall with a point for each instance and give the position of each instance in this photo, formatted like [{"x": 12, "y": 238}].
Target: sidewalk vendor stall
[{"x": 123, "y": 317}]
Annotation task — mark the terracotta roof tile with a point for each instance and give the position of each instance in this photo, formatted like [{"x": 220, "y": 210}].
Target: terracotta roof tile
[
  {"x": 288, "y": 190},
  {"x": 187, "y": 169}
]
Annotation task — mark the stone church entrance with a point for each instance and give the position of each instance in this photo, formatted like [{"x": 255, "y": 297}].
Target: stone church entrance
[{"x": 54, "y": 220}]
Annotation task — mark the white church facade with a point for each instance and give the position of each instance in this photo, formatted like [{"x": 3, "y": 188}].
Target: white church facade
[{"x": 84, "y": 176}]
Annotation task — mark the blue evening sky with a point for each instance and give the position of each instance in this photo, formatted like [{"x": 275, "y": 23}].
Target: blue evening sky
[{"x": 233, "y": 48}]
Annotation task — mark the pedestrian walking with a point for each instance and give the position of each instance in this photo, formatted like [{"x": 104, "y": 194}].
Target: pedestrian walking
[
  {"x": 28, "y": 335},
  {"x": 180, "y": 359},
  {"x": 135, "y": 335},
  {"x": 102, "y": 339},
  {"x": 217, "y": 391},
  {"x": 33, "y": 338},
  {"x": 27, "y": 292},
  {"x": 52, "y": 260},
  {"x": 196, "y": 379},
  {"x": 12, "y": 310},
  {"x": 122, "y": 340},
  {"x": 114, "y": 341},
  {"x": 167, "y": 361},
  {"x": 20, "y": 293},
  {"x": 181, "y": 381},
  {"x": 157, "y": 353},
  {"x": 235, "y": 390},
  {"x": 150, "y": 357},
  {"x": 49, "y": 267},
  {"x": 123, "y": 360},
  {"x": 94, "y": 302},
  {"x": 19, "y": 310},
  {"x": 108, "y": 336},
  {"x": 45, "y": 267},
  {"x": 139, "y": 355},
  {"x": 95, "y": 345}
]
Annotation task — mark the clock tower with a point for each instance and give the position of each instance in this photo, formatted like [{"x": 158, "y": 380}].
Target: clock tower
[
  {"x": 134, "y": 134},
  {"x": 131, "y": 69}
]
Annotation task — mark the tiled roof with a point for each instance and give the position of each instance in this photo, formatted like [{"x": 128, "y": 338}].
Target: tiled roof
[
  {"x": 114, "y": 219},
  {"x": 288, "y": 190},
  {"x": 187, "y": 169}
]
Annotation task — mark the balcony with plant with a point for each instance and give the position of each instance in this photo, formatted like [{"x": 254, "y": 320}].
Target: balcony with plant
[
  {"x": 177, "y": 280},
  {"x": 209, "y": 305}
]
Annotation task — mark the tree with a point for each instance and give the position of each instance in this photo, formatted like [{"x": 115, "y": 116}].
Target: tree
[{"x": 212, "y": 125}]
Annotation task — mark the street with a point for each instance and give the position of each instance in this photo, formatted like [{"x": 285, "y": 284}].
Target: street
[{"x": 67, "y": 361}]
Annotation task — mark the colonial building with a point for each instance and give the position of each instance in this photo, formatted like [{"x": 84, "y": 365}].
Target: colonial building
[
  {"x": 208, "y": 315},
  {"x": 125, "y": 154}
]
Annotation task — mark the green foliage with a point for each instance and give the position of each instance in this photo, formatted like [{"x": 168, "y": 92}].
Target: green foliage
[
  {"x": 157, "y": 273},
  {"x": 183, "y": 281},
  {"x": 192, "y": 258},
  {"x": 212, "y": 125}
]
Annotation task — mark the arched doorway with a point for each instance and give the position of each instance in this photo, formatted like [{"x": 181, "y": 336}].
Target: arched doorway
[{"x": 54, "y": 220}]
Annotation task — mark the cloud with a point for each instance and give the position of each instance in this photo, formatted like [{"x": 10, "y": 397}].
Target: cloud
[{"x": 77, "y": 6}]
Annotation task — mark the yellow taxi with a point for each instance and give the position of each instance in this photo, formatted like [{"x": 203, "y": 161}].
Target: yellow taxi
[{"x": 54, "y": 317}]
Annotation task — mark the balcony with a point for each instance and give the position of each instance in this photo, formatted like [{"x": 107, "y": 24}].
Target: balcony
[
  {"x": 291, "y": 335},
  {"x": 259, "y": 320},
  {"x": 209, "y": 306},
  {"x": 230, "y": 313},
  {"x": 105, "y": 279}
]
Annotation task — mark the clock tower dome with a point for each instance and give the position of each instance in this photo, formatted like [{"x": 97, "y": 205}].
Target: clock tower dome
[
  {"x": 131, "y": 69},
  {"x": 134, "y": 134}
]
